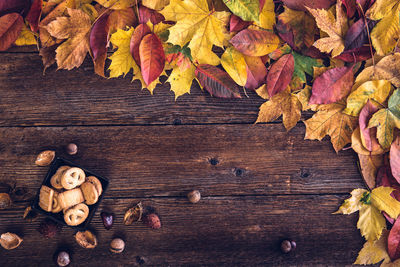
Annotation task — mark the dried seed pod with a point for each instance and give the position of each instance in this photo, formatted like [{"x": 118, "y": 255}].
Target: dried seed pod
[
  {"x": 117, "y": 245},
  {"x": 72, "y": 149},
  {"x": 86, "y": 239},
  {"x": 45, "y": 158},
  {"x": 63, "y": 259},
  {"x": 108, "y": 219},
  {"x": 152, "y": 220},
  {"x": 5, "y": 201},
  {"x": 133, "y": 214},
  {"x": 194, "y": 196},
  {"x": 30, "y": 214},
  {"x": 10, "y": 240}
]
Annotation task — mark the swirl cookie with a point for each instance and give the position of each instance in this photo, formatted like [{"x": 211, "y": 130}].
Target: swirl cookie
[
  {"x": 76, "y": 214},
  {"x": 55, "y": 180},
  {"x": 72, "y": 178},
  {"x": 46, "y": 198},
  {"x": 90, "y": 193},
  {"x": 96, "y": 182},
  {"x": 55, "y": 208},
  {"x": 70, "y": 198}
]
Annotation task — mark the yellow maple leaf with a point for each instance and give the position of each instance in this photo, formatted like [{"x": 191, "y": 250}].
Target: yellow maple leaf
[
  {"x": 283, "y": 103},
  {"x": 336, "y": 29},
  {"x": 370, "y": 222},
  {"x": 75, "y": 29},
  {"x": 26, "y": 37},
  {"x": 374, "y": 251},
  {"x": 181, "y": 80},
  {"x": 353, "y": 203},
  {"x": 385, "y": 34},
  {"x": 235, "y": 65},
  {"x": 197, "y": 25},
  {"x": 330, "y": 120}
]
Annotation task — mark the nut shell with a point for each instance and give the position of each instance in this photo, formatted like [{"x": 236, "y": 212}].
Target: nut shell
[
  {"x": 45, "y": 158},
  {"x": 86, "y": 239},
  {"x": 194, "y": 196},
  {"x": 117, "y": 245},
  {"x": 152, "y": 220},
  {"x": 63, "y": 259},
  {"x": 5, "y": 201},
  {"x": 10, "y": 240}
]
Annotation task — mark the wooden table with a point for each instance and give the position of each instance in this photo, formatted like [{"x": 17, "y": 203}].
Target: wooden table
[{"x": 259, "y": 183}]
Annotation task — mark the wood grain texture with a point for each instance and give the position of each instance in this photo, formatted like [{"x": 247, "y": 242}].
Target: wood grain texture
[
  {"x": 171, "y": 160},
  {"x": 217, "y": 231}
]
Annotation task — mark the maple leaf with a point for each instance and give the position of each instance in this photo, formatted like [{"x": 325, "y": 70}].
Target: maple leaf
[
  {"x": 386, "y": 32},
  {"x": 197, "y": 25},
  {"x": 181, "y": 81},
  {"x": 353, "y": 203},
  {"x": 382, "y": 200},
  {"x": 283, "y": 103},
  {"x": 248, "y": 10},
  {"x": 336, "y": 29},
  {"x": 386, "y": 120},
  {"x": 330, "y": 120},
  {"x": 235, "y": 65},
  {"x": 370, "y": 222},
  {"x": 377, "y": 91},
  {"x": 75, "y": 29}
]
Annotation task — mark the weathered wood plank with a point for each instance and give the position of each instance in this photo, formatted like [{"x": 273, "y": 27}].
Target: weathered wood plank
[
  {"x": 218, "y": 231},
  {"x": 172, "y": 160}
]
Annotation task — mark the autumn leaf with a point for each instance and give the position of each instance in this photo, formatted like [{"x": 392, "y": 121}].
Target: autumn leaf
[
  {"x": 386, "y": 120},
  {"x": 147, "y": 14},
  {"x": 267, "y": 15},
  {"x": 358, "y": 146},
  {"x": 303, "y": 65},
  {"x": 256, "y": 72},
  {"x": 370, "y": 222},
  {"x": 181, "y": 81},
  {"x": 120, "y": 19},
  {"x": 152, "y": 58},
  {"x": 395, "y": 158},
  {"x": 330, "y": 120},
  {"x": 369, "y": 165},
  {"x": 26, "y": 37},
  {"x": 46, "y": 40},
  {"x": 357, "y": 35},
  {"x": 197, "y": 25},
  {"x": 75, "y": 29},
  {"x": 34, "y": 13},
  {"x": 140, "y": 31},
  {"x": 98, "y": 41},
  {"x": 217, "y": 82},
  {"x": 10, "y": 28},
  {"x": 253, "y": 42},
  {"x": 235, "y": 65},
  {"x": 302, "y": 4},
  {"x": 155, "y": 4},
  {"x": 280, "y": 74},
  {"x": 116, "y": 4},
  {"x": 332, "y": 86},
  {"x": 353, "y": 203},
  {"x": 15, "y": 6},
  {"x": 283, "y": 103},
  {"x": 248, "y": 10},
  {"x": 236, "y": 24},
  {"x": 335, "y": 28},
  {"x": 377, "y": 91}
]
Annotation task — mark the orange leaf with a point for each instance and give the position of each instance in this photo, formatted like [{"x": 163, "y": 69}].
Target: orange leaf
[
  {"x": 137, "y": 37},
  {"x": 10, "y": 27},
  {"x": 152, "y": 57},
  {"x": 253, "y": 42}
]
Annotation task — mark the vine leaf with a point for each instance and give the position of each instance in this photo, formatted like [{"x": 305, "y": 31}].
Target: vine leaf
[{"x": 216, "y": 81}]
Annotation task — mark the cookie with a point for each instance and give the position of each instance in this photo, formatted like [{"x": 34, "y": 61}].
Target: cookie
[
  {"x": 96, "y": 182},
  {"x": 90, "y": 193},
  {"x": 70, "y": 198},
  {"x": 76, "y": 214},
  {"x": 72, "y": 178},
  {"x": 55, "y": 180},
  {"x": 46, "y": 198},
  {"x": 56, "y": 205}
]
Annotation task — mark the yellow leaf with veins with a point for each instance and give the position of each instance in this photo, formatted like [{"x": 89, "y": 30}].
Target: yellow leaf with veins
[
  {"x": 353, "y": 203},
  {"x": 335, "y": 28},
  {"x": 199, "y": 26},
  {"x": 371, "y": 222},
  {"x": 75, "y": 29},
  {"x": 235, "y": 65},
  {"x": 181, "y": 80},
  {"x": 382, "y": 200}
]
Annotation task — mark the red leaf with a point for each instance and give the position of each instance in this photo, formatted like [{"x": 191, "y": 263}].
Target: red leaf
[
  {"x": 216, "y": 81},
  {"x": 146, "y": 14},
  {"x": 351, "y": 7},
  {"x": 10, "y": 27},
  {"x": 280, "y": 75},
  {"x": 236, "y": 24},
  {"x": 98, "y": 42},
  {"x": 395, "y": 159},
  {"x": 137, "y": 36},
  {"x": 34, "y": 15},
  {"x": 332, "y": 85},
  {"x": 152, "y": 58},
  {"x": 355, "y": 55},
  {"x": 15, "y": 6},
  {"x": 301, "y": 4},
  {"x": 365, "y": 4},
  {"x": 369, "y": 134},
  {"x": 394, "y": 241},
  {"x": 256, "y": 72},
  {"x": 357, "y": 35},
  {"x": 261, "y": 4}
]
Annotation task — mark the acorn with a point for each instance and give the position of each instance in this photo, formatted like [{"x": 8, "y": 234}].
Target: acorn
[
  {"x": 288, "y": 246},
  {"x": 63, "y": 258},
  {"x": 194, "y": 196},
  {"x": 72, "y": 149},
  {"x": 152, "y": 220},
  {"x": 117, "y": 245}
]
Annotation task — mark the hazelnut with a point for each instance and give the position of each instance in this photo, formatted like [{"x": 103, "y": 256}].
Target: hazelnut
[
  {"x": 117, "y": 245},
  {"x": 194, "y": 196},
  {"x": 108, "y": 219},
  {"x": 10, "y": 241},
  {"x": 5, "y": 201},
  {"x": 63, "y": 258},
  {"x": 45, "y": 158},
  {"x": 86, "y": 239},
  {"x": 152, "y": 220},
  {"x": 288, "y": 246},
  {"x": 72, "y": 149}
]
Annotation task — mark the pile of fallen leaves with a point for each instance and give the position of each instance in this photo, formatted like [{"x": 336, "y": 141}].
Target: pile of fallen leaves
[{"x": 339, "y": 59}]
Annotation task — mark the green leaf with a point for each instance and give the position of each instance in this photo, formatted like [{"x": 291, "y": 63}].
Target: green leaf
[
  {"x": 303, "y": 65},
  {"x": 248, "y": 10}
]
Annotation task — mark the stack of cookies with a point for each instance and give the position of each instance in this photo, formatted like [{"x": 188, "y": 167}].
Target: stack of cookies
[{"x": 70, "y": 193}]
